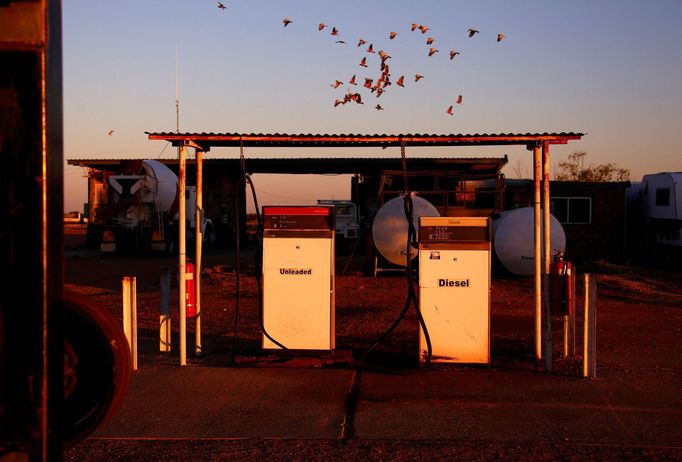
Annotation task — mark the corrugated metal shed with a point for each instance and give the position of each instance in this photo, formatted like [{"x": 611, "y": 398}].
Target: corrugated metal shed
[{"x": 321, "y": 165}]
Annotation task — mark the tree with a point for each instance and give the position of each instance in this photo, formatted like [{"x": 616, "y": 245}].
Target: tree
[
  {"x": 574, "y": 169},
  {"x": 519, "y": 169}
]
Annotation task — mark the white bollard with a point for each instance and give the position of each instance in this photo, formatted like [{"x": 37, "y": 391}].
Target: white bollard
[
  {"x": 590, "y": 337},
  {"x": 569, "y": 320},
  {"x": 130, "y": 316},
  {"x": 165, "y": 310}
]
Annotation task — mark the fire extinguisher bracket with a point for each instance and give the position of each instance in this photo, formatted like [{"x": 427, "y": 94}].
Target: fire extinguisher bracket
[{"x": 561, "y": 274}]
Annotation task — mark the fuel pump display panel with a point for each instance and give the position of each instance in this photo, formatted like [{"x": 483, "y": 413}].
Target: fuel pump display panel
[{"x": 297, "y": 218}]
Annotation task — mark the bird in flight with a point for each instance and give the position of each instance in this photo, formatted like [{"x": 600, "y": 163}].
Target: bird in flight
[
  {"x": 355, "y": 97},
  {"x": 321, "y": 26},
  {"x": 286, "y": 21},
  {"x": 352, "y": 80},
  {"x": 368, "y": 83},
  {"x": 339, "y": 101},
  {"x": 361, "y": 42},
  {"x": 423, "y": 29},
  {"x": 336, "y": 84},
  {"x": 432, "y": 51},
  {"x": 392, "y": 35},
  {"x": 340, "y": 41},
  {"x": 363, "y": 63},
  {"x": 110, "y": 132},
  {"x": 453, "y": 53},
  {"x": 500, "y": 37},
  {"x": 383, "y": 55},
  {"x": 335, "y": 31},
  {"x": 370, "y": 48},
  {"x": 429, "y": 40},
  {"x": 449, "y": 111},
  {"x": 459, "y": 99},
  {"x": 222, "y": 6},
  {"x": 378, "y": 107},
  {"x": 414, "y": 26},
  {"x": 400, "y": 81},
  {"x": 418, "y": 77},
  {"x": 472, "y": 32}
]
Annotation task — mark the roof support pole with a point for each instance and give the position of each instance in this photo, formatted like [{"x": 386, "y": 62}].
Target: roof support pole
[
  {"x": 198, "y": 213},
  {"x": 546, "y": 258},
  {"x": 537, "y": 254},
  {"x": 182, "y": 254}
]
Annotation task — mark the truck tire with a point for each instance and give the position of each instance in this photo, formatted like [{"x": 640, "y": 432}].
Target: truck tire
[
  {"x": 97, "y": 366},
  {"x": 209, "y": 236}
]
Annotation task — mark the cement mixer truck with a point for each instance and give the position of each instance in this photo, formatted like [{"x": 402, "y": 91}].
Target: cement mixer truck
[{"x": 137, "y": 210}]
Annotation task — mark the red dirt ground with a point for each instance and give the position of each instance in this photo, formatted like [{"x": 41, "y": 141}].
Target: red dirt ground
[{"x": 365, "y": 307}]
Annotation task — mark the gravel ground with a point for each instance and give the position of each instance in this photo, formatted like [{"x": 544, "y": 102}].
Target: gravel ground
[{"x": 632, "y": 302}]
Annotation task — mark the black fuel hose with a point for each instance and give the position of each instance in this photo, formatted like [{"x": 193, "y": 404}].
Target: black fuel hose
[
  {"x": 244, "y": 180},
  {"x": 412, "y": 297},
  {"x": 258, "y": 264}
]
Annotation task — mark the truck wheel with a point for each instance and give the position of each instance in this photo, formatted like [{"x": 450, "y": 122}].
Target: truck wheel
[
  {"x": 209, "y": 236},
  {"x": 97, "y": 366},
  {"x": 170, "y": 247}
]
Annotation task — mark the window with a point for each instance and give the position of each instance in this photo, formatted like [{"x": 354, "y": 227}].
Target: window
[
  {"x": 572, "y": 210},
  {"x": 663, "y": 197}
]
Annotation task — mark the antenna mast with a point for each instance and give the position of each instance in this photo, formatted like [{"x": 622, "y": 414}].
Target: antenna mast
[
  {"x": 177, "y": 97},
  {"x": 177, "y": 93}
]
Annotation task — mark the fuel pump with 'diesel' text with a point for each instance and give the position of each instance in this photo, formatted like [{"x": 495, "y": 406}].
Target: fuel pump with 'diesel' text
[
  {"x": 298, "y": 277},
  {"x": 454, "y": 288}
]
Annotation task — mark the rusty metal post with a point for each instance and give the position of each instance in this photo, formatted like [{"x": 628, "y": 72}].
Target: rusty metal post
[
  {"x": 182, "y": 254},
  {"x": 547, "y": 343},
  {"x": 197, "y": 255},
  {"x": 31, "y": 230},
  {"x": 537, "y": 254}
]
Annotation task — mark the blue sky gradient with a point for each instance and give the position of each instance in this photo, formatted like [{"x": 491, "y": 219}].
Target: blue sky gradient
[{"x": 608, "y": 68}]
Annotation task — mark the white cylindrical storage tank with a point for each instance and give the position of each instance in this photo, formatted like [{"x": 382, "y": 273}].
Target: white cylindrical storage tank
[
  {"x": 513, "y": 240},
  {"x": 389, "y": 229}
]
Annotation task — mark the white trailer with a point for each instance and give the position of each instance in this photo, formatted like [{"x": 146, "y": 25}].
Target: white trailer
[
  {"x": 659, "y": 199},
  {"x": 346, "y": 217}
]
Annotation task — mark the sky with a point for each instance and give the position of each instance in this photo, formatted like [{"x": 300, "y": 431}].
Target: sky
[{"x": 608, "y": 68}]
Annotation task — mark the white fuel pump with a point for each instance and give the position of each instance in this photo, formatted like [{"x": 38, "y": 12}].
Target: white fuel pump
[
  {"x": 298, "y": 277},
  {"x": 454, "y": 288}
]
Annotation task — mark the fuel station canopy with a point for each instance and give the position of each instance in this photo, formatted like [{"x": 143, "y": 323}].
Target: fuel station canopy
[
  {"x": 205, "y": 141},
  {"x": 537, "y": 143}
]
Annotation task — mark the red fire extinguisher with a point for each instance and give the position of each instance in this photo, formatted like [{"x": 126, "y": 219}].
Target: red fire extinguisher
[
  {"x": 560, "y": 277},
  {"x": 190, "y": 303}
]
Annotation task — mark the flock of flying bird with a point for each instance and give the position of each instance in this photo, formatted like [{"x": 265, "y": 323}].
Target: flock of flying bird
[{"x": 379, "y": 84}]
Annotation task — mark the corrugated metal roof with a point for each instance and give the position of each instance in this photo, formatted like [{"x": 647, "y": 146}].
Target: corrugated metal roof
[
  {"x": 93, "y": 161},
  {"x": 207, "y": 140},
  {"x": 317, "y": 165}
]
